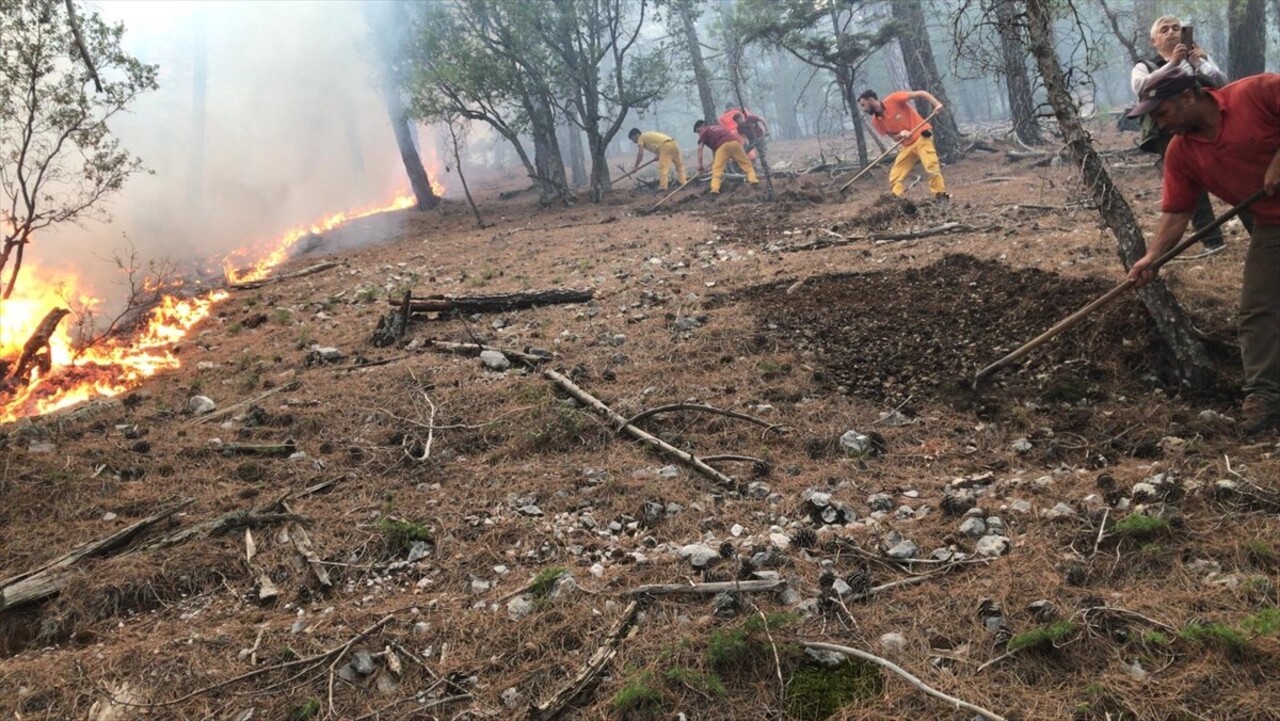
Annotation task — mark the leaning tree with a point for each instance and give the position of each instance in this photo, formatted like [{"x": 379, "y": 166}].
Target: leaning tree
[{"x": 63, "y": 77}]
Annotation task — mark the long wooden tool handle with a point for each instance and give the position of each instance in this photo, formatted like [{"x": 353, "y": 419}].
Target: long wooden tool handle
[
  {"x": 626, "y": 174},
  {"x": 1111, "y": 295},
  {"x": 893, "y": 147},
  {"x": 677, "y": 190}
]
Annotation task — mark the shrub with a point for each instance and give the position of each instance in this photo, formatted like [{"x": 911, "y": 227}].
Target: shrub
[
  {"x": 815, "y": 692},
  {"x": 402, "y": 534},
  {"x": 1043, "y": 637},
  {"x": 638, "y": 698}
]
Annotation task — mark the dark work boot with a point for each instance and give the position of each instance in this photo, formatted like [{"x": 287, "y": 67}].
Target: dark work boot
[{"x": 1260, "y": 413}]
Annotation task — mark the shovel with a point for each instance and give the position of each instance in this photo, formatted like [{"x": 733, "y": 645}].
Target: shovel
[
  {"x": 677, "y": 190},
  {"x": 1115, "y": 292},
  {"x": 893, "y": 147}
]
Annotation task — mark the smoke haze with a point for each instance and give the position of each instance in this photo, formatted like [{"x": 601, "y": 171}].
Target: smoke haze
[{"x": 293, "y": 127}]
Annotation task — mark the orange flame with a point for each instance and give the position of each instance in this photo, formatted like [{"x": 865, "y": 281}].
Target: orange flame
[{"x": 116, "y": 365}]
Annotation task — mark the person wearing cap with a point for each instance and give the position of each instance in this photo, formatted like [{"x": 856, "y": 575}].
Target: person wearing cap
[
  {"x": 725, "y": 145},
  {"x": 1174, "y": 57},
  {"x": 894, "y": 117},
  {"x": 752, "y": 129},
  {"x": 665, "y": 148},
  {"x": 1227, "y": 141}
]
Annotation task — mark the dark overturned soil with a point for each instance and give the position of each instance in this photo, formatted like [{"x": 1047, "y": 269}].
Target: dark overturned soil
[{"x": 923, "y": 333}]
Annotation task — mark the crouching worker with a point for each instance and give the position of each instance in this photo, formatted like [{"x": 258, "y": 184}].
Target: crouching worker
[
  {"x": 726, "y": 146},
  {"x": 665, "y": 148}
]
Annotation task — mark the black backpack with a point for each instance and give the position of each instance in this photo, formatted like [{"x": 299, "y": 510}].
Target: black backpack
[{"x": 1153, "y": 140}]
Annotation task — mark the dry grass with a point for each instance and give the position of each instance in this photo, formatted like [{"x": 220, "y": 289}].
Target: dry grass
[{"x": 173, "y": 622}]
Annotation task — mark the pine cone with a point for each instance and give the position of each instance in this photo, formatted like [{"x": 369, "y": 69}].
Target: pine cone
[
  {"x": 827, "y": 579},
  {"x": 727, "y": 550},
  {"x": 745, "y": 568},
  {"x": 860, "y": 581},
  {"x": 805, "y": 538},
  {"x": 1003, "y": 636}
]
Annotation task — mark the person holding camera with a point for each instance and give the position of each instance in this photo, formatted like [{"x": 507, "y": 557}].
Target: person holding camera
[
  {"x": 894, "y": 117},
  {"x": 1177, "y": 53}
]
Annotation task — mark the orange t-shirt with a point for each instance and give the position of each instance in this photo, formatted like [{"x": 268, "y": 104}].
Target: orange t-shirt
[
  {"x": 899, "y": 116},
  {"x": 726, "y": 120}
]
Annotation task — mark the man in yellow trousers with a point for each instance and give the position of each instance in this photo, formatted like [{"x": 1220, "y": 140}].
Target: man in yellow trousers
[
  {"x": 663, "y": 146},
  {"x": 895, "y": 118},
  {"x": 726, "y": 145}
]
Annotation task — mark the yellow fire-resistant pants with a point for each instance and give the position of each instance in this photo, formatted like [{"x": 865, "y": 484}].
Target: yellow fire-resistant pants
[
  {"x": 731, "y": 150},
  {"x": 669, "y": 154},
  {"x": 924, "y": 151}
]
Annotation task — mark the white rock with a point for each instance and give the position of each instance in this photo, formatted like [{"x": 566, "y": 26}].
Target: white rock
[
  {"x": 199, "y": 405},
  {"x": 109, "y": 516},
  {"x": 736, "y": 530},
  {"x": 494, "y": 360},
  {"x": 780, "y": 541},
  {"x": 893, "y": 643},
  {"x": 519, "y": 607},
  {"x": 698, "y": 555},
  {"x": 855, "y": 443},
  {"x": 992, "y": 546}
]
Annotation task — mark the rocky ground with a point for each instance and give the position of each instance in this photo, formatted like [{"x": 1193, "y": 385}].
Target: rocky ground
[{"x": 353, "y": 531}]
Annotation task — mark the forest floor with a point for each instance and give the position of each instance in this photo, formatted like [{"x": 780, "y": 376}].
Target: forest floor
[{"x": 1080, "y": 539}]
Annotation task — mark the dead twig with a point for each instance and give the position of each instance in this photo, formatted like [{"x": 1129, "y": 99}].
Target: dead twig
[
  {"x": 290, "y": 386},
  {"x": 251, "y": 284},
  {"x": 891, "y": 666},
  {"x": 642, "y": 415},
  {"x": 623, "y": 426},
  {"x": 705, "y": 589}
]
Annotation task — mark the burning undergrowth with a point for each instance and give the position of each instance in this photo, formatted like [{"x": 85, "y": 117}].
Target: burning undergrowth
[{"x": 923, "y": 332}]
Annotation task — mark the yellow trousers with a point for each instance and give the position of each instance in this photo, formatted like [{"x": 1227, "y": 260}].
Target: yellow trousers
[
  {"x": 669, "y": 154},
  {"x": 731, "y": 150},
  {"x": 924, "y": 151}
]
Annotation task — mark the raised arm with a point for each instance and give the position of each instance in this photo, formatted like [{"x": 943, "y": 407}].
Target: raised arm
[{"x": 925, "y": 95}]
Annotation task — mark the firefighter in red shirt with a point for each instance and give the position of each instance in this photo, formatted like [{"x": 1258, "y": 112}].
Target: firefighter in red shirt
[
  {"x": 895, "y": 118},
  {"x": 726, "y": 145},
  {"x": 1227, "y": 141}
]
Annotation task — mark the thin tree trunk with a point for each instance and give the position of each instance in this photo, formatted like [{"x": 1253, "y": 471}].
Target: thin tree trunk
[
  {"x": 684, "y": 8},
  {"x": 1014, "y": 52},
  {"x": 1247, "y": 23},
  {"x": 457, "y": 163},
  {"x": 923, "y": 73},
  {"x": 577, "y": 164},
  {"x": 1194, "y": 365},
  {"x": 418, "y": 179}
]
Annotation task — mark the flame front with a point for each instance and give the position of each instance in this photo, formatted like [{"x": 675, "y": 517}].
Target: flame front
[{"x": 115, "y": 365}]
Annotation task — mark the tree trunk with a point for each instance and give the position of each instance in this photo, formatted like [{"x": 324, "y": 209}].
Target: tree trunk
[
  {"x": 1014, "y": 52},
  {"x": 923, "y": 73},
  {"x": 572, "y": 137},
  {"x": 845, "y": 78},
  {"x": 684, "y": 8},
  {"x": 418, "y": 179},
  {"x": 1194, "y": 365},
  {"x": 1247, "y": 23}
]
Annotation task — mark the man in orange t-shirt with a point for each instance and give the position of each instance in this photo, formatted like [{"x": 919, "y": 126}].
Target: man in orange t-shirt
[{"x": 895, "y": 118}]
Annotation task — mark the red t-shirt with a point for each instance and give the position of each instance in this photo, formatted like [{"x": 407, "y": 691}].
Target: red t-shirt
[
  {"x": 713, "y": 136},
  {"x": 1232, "y": 165},
  {"x": 898, "y": 116}
]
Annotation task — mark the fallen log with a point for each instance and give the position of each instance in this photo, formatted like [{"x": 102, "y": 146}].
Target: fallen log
[
  {"x": 494, "y": 303},
  {"x": 251, "y": 284},
  {"x": 475, "y": 349},
  {"x": 47, "y": 580},
  {"x": 838, "y": 239}
]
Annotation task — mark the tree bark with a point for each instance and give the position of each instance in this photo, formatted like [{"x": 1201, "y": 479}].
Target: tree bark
[
  {"x": 1247, "y": 45},
  {"x": 923, "y": 73},
  {"x": 1193, "y": 362},
  {"x": 684, "y": 8},
  {"x": 1014, "y": 53},
  {"x": 497, "y": 303},
  {"x": 577, "y": 165}
]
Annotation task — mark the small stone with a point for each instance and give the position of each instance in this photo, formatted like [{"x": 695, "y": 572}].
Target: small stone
[
  {"x": 494, "y": 360},
  {"x": 1020, "y": 506},
  {"x": 780, "y": 541},
  {"x": 736, "y": 530},
  {"x": 893, "y": 643},
  {"x": 617, "y": 339},
  {"x": 895, "y": 418},
  {"x": 841, "y": 587},
  {"x": 1021, "y": 446},
  {"x": 530, "y": 510},
  {"x": 699, "y": 556},
  {"x": 668, "y": 472},
  {"x": 992, "y": 546},
  {"x": 758, "y": 490},
  {"x": 421, "y": 627},
  {"x": 687, "y": 323},
  {"x": 109, "y": 516},
  {"x": 855, "y": 443},
  {"x": 1059, "y": 511},
  {"x": 511, "y": 698},
  {"x": 199, "y": 405},
  {"x": 597, "y": 570},
  {"x": 903, "y": 550},
  {"x": 880, "y": 502},
  {"x": 362, "y": 663},
  {"x": 973, "y": 527},
  {"x": 519, "y": 607},
  {"x": 418, "y": 551}
]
